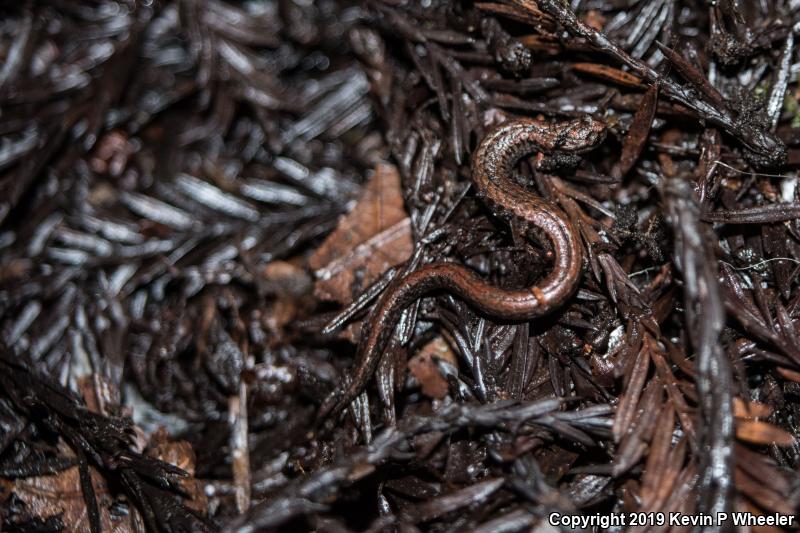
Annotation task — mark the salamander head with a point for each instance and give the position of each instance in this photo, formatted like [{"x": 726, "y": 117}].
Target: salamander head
[{"x": 582, "y": 134}]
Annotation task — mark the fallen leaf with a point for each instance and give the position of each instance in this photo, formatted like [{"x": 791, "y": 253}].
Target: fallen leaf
[
  {"x": 61, "y": 495},
  {"x": 180, "y": 453},
  {"x": 423, "y": 367},
  {"x": 373, "y": 237}
]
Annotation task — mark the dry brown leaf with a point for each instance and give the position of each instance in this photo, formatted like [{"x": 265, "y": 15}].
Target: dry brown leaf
[
  {"x": 180, "y": 453},
  {"x": 60, "y": 494},
  {"x": 424, "y": 368},
  {"x": 373, "y": 237}
]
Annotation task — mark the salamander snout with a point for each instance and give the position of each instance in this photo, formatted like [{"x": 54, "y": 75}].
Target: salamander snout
[{"x": 583, "y": 134}]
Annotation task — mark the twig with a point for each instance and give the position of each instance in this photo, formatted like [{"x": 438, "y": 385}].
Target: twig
[{"x": 705, "y": 318}]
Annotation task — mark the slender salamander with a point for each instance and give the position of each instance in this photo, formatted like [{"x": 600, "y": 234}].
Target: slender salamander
[{"x": 492, "y": 173}]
